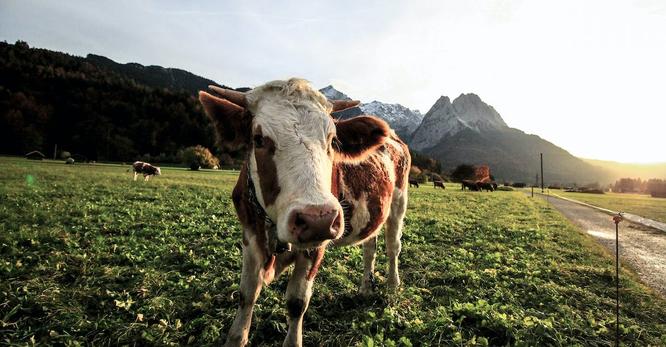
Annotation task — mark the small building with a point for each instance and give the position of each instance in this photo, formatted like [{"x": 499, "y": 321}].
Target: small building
[
  {"x": 482, "y": 173},
  {"x": 35, "y": 155}
]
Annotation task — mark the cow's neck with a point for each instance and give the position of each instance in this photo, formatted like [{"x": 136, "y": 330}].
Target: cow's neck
[
  {"x": 275, "y": 246},
  {"x": 337, "y": 189}
]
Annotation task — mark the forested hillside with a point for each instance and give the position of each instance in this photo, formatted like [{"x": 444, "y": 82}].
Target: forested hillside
[{"x": 49, "y": 98}]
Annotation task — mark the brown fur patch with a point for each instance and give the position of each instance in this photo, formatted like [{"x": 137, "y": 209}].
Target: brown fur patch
[
  {"x": 370, "y": 178},
  {"x": 316, "y": 256},
  {"x": 269, "y": 269},
  {"x": 359, "y": 135},
  {"x": 377, "y": 206},
  {"x": 266, "y": 169},
  {"x": 401, "y": 162},
  {"x": 247, "y": 215},
  {"x": 232, "y": 122}
]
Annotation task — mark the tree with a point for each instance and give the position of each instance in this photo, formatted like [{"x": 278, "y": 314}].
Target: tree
[
  {"x": 199, "y": 156},
  {"x": 463, "y": 172},
  {"x": 656, "y": 188},
  {"x": 627, "y": 185},
  {"x": 49, "y": 98}
]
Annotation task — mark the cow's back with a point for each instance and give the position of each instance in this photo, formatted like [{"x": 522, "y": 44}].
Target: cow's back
[
  {"x": 138, "y": 166},
  {"x": 367, "y": 188}
]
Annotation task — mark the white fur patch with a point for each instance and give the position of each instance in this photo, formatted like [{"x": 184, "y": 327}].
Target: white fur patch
[{"x": 361, "y": 215}]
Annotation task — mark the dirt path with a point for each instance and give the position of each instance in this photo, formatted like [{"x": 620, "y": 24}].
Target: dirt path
[{"x": 642, "y": 248}]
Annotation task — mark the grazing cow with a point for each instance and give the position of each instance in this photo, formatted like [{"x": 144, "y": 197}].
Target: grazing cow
[
  {"x": 438, "y": 184},
  {"x": 413, "y": 183},
  {"x": 146, "y": 169},
  {"x": 485, "y": 186},
  {"x": 471, "y": 185},
  {"x": 308, "y": 181}
]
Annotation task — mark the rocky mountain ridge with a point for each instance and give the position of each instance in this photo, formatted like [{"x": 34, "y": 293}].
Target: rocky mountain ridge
[
  {"x": 446, "y": 118},
  {"x": 469, "y": 131}
]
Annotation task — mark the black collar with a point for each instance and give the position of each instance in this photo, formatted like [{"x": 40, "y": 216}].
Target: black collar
[{"x": 274, "y": 244}]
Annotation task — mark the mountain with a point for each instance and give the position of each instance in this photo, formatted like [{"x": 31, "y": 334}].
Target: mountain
[
  {"x": 154, "y": 76},
  {"x": 403, "y": 120},
  {"x": 447, "y": 119},
  {"x": 99, "y": 112},
  {"x": 469, "y": 131},
  {"x": 333, "y": 94}
]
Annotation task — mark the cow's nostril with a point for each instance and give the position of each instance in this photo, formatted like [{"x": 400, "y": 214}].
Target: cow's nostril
[
  {"x": 299, "y": 221},
  {"x": 337, "y": 222}
]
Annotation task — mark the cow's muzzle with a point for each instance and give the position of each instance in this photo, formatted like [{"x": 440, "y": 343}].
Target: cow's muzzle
[{"x": 315, "y": 223}]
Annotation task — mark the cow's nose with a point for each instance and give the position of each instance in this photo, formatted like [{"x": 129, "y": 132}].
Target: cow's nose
[{"x": 315, "y": 223}]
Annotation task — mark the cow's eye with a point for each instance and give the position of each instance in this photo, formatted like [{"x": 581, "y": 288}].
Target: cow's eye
[
  {"x": 258, "y": 141},
  {"x": 335, "y": 143}
]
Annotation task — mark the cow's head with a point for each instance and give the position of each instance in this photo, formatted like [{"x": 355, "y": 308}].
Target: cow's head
[{"x": 292, "y": 143}]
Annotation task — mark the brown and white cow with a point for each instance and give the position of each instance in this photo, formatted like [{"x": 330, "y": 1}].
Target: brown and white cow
[
  {"x": 308, "y": 181},
  {"x": 146, "y": 169}
]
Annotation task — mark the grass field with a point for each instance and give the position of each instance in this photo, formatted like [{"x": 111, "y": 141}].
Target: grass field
[
  {"x": 90, "y": 257},
  {"x": 640, "y": 204}
]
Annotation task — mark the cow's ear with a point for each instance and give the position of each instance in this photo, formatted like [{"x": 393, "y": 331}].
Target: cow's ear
[
  {"x": 233, "y": 123},
  {"x": 359, "y": 135}
]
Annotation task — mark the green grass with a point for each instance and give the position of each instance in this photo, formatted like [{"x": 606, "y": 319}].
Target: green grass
[
  {"x": 90, "y": 257},
  {"x": 640, "y": 204}
]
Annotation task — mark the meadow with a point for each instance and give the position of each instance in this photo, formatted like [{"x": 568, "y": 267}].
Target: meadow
[
  {"x": 640, "y": 204},
  {"x": 89, "y": 257}
]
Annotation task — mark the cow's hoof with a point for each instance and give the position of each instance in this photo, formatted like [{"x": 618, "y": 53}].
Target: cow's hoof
[
  {"x": 235, "y": 341},
  {"x": 393, "y": 283},
  {"x": 366, "y": 290}
]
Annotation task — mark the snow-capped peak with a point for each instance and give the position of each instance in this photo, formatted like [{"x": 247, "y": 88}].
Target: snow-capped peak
[
  {"x": 403, "y": 120},
  {"x": 333, "y": 94}
]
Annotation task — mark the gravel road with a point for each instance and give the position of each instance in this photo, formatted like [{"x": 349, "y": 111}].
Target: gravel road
[{"x": 643, "y": 248}]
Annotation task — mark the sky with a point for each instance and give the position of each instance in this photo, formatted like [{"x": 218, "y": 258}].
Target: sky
[{"x": 589, "y": 76}]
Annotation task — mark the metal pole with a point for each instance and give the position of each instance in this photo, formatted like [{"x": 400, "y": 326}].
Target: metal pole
[
  {"x": 541, "y": 156},
  {"x": 55, "y": 150},
  {"x": 617, "y": 219}
]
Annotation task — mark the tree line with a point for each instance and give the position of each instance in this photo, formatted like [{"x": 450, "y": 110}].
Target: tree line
[
  {"x": 49, "y": 98},
  {"x": 655, "y": 187}
]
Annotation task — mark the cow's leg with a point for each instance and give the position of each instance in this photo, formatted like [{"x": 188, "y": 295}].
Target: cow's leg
[
  {"x": 394, "y": 233},
  {"x": 282, "y": 262},
  {"x": 145, "y": 177},
  {"x": 369, "y": 252},
  {"x": 250, "y": 287},
  {"x": 299, "y": 291},
  {"x": 135, "y": 174}
]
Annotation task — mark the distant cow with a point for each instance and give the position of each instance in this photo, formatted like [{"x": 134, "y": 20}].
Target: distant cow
[
  {"x": 485, "y": 186},
  {"x": 438, "y": 184},
  {"x": 471, "y": 185},
  {"x": 146, "y": 169},
  {"x": 413, "y": 183}
]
